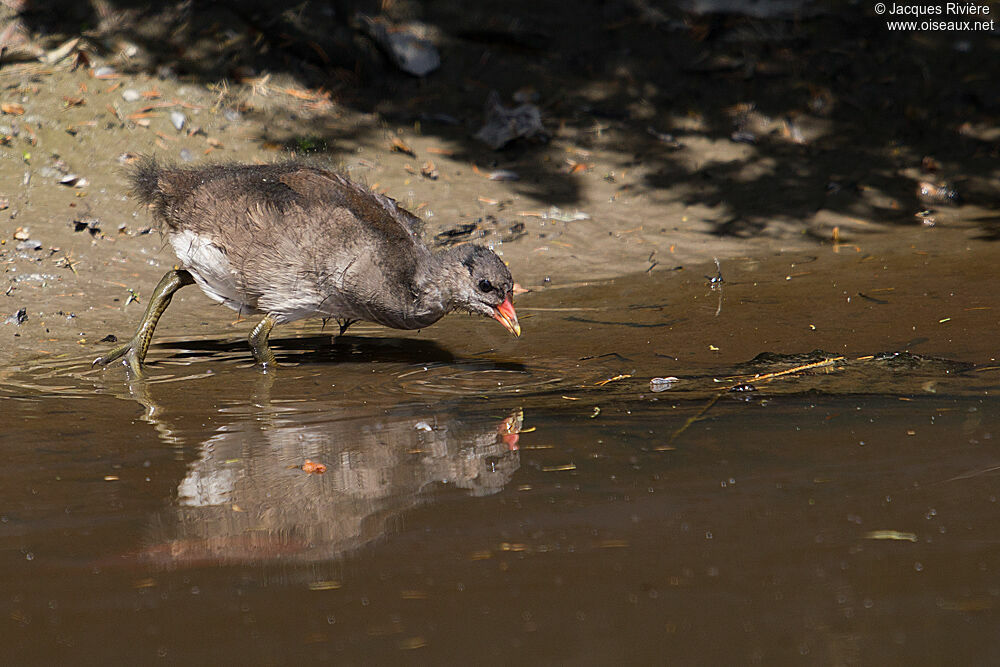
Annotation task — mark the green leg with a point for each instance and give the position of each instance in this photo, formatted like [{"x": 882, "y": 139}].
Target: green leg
[
  {"x": 134, "y": 350},
  {"x": 258, "y": 343}
]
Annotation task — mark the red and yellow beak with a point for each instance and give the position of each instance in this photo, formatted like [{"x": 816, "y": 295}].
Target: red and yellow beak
[
  {"x": 510, "y": 430},
  {"x": 505, "y": 315}
]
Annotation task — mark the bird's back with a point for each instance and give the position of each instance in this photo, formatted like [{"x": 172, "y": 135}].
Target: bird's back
[{"x": 288, "y": 239}]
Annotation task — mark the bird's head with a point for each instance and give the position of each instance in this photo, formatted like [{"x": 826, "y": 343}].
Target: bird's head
[{"x": 485, "y": 286}]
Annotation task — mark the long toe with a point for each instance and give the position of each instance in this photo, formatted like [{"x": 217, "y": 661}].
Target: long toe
[
  {"x": 128, "y": 350},
  {"x": 114, "y": 354}
]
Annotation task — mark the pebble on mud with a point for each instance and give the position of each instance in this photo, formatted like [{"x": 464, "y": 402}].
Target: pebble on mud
[
  {"x": 937, "y": 194},
  {"x": 505, "y": 124},
  {"x": 73, "y": 181},
  {"x": 178, "y": 119},
  {"x": 409, "y": 52},
  {"x": 18, "y": 318}
]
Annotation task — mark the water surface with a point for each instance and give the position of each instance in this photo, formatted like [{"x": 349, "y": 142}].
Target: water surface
[{"x": 495, "y": 500}]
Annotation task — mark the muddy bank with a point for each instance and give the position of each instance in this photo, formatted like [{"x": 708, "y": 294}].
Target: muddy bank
[{"x": 643, "y": 164}]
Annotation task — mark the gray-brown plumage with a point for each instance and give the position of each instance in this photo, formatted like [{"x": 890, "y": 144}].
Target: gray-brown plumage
[{"x": 291, "y": 241}]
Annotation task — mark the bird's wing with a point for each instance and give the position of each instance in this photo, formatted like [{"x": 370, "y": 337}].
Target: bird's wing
[{"x": 315, "y": 188}]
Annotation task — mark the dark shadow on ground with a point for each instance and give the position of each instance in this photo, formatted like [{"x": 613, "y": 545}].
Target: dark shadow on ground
[{"x": 829, "y": 109}]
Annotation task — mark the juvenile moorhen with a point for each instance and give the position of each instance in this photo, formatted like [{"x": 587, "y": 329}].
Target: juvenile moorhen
[{"x": 292, "y": 241}]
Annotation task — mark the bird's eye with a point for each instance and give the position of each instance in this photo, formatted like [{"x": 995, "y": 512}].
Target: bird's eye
[{"x": 485, "y": 286}]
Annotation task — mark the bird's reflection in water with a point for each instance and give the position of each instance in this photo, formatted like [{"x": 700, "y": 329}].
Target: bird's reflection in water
[{"x": 246, "y": 498}]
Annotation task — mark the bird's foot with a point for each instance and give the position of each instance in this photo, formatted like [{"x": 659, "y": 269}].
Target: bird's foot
[
  {"x": 258, "y": 343},
  {"x": 130, "y": 351}
]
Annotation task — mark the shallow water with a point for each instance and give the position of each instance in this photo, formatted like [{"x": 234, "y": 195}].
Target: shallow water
[{"x": 493, "y": 500}]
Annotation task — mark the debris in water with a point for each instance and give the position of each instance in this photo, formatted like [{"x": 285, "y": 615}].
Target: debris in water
[
  {"x": 326, "y": 585},
  {"x": 890, "y": 535},
  {"x": 872, "y": 299},
  {"x": 716, "y": 280},
  {"x": 612, "y": 379},
  {"x": 663, "y": 384},
  {"x": 568, "y": 466},
  {"x": 313, "y": 467}
]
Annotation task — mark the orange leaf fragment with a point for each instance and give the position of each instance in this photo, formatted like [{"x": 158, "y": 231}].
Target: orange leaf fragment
[
  {"x": 12, "y": 108},
  {"x": 400, "y": 146},
  {"x": 429, "y": 170},
  {"x": 313, "y": 467},
  {"x": 300, "y": 94}
]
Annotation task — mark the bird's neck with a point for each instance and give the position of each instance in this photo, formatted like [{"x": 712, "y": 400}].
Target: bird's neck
[{"x": 435, "y": 282}]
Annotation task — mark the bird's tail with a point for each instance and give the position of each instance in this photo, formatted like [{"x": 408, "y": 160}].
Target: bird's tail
[{"x": 144, "y": 177}]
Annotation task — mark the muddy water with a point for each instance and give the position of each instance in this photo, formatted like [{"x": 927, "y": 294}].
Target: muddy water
[{"x": 818, "y": 484}]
